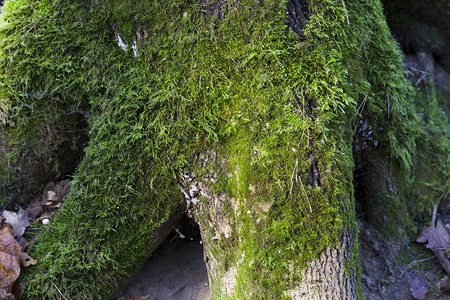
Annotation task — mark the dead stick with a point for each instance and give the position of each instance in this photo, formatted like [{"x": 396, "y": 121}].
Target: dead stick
[
  {"x": 415, "y": 262},
  {"x": 304, "y": 191},
  {"x": 55, "y": 287}
]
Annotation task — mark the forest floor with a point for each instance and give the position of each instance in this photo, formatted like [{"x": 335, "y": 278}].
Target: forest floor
[
  {"x": 176, "y": 270},
  {"x": 390, "y": 269}
]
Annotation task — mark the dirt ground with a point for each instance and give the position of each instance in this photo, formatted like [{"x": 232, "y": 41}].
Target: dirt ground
[
  {"x": 175, "y": 271},
  {"x": 389, "y": 268}
]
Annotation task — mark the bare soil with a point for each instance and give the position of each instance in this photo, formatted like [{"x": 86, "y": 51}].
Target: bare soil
[
  {"x": 389, "y": 267},
  {"x": 175, "y": 271}
]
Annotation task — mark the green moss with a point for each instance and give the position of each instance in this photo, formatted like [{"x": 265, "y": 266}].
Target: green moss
[{"x": 276, "y": 108}]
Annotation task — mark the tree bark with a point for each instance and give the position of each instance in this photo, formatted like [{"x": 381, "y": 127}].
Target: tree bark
[{"x": 332, "y": 275}]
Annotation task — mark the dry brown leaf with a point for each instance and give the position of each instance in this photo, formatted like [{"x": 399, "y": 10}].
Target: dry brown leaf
[
  {"x": 25, "y": 260},
  {"x": 140, "y": 297},
  {"x": 56, "y": 205},
  {"x": 47, "y": 215},
  {"x": 18, "y": 220},
  {"x": 438, "y": 241},
  {"x": 9, "y": 261},
  {"x": 51, "y": 196},
  {"x": 445, "y": 284},
  {"x": 34, "y": 212},
  {"x": 419, "y": 289},
  {"x": 23, "y": 242}
]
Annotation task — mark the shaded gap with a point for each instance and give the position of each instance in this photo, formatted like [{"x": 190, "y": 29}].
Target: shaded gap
[
  {"x": 367, "y": 178},
  {"x": 313, "y": 172},
  {"x": 176, "y": 269}
]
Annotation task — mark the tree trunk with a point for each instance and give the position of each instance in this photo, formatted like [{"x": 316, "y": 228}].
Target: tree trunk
[
  {"x": 226, "y": 223},
  {"x": 243, "y": 113}
]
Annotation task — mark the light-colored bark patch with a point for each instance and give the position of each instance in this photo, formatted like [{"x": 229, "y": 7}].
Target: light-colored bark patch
[{"x": 325, "y": 278}]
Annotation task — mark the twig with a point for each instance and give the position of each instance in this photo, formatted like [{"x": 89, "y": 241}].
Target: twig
[
  {"x": 303, "y": 103},
  {"x": 433, "y": 218},
  {"x": 6, "y": 205},
  {"x": 388, "y": 106},
  {"x": 414, "y": 262},
  {"x": 346, "y": 12},
  {"x": 180, "y": 289},
  {"x": 292, "y": 176},
  {"x": 182, "y": 236},
  {"x": 304, "y": 191},
  {"x": 298, "y": 106},
  {"x": 13, "y": 43},
  {"x": 422, "y": 76},
  {"x": 308, "y": 138},
  {"x": 85, "y": 195},
  {"x": 17, "y": 32},
  {"x": 55, "y": 287},
  {"x": 361, "y": 214},
  {"x": 361, "y": 106},
  {"x": 443, "y": 193}
]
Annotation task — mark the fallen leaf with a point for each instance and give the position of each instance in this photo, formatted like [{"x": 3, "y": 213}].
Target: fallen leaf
[
  {"x": 419, "y": 289},
  {"x": 47, "y": 215},
  {"x": 438, "y": 240},
  {"x": 23, "y": 242},
  {"x": 25, "y": 260},
  {"x": 445, "y": 284},
  {"x": 9, "y": 261},
  {"x": 18, "y": 220},
  {"x": 34, "y": 212},
  {"x": 51, "y": 196},
  {"x": 56, "y": 205},
  {"x": 140, "y": 297},
  {"x": 18, "y": 290}
]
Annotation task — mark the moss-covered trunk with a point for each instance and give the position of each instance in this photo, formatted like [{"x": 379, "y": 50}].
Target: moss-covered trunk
[
  {"x": 257, "y": 250},
  {"x": 247, "y": 114}
]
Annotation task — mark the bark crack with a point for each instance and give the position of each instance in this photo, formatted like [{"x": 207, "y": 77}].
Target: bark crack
[
  {"x": 313, "y": 172},
  {"x": 297, "y": 16}
]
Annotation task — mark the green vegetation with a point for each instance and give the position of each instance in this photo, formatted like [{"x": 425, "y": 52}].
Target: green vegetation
[{"x": 279, "y": 110}]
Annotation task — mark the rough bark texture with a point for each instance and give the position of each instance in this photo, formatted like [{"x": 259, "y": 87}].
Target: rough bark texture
[{"x": 326, "y": 278}]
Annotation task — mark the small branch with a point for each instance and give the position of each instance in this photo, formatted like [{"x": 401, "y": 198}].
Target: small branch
[
  {"x": 414, "y": 262},
  {"x": 388, "y": 106},
  {"x": 346, "y": 12},
  {"x": 292, "y": 176},
  {"x": 55, "y": 287},
  {"x": 6, "y": 205},
  {"x": 433, "y": 218},
  {"x": 304, "y": 191}
]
